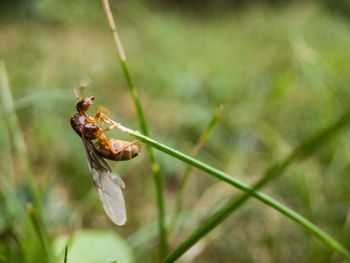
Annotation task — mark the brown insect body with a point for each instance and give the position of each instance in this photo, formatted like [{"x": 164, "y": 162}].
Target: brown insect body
[
  {"x": 81, "y": 126},
  {"x": 125, "y": 150},
  {"x": 108, "y": 184},
  {"x": 86, "y": 128},
  {"x": 82, "y": 123}
]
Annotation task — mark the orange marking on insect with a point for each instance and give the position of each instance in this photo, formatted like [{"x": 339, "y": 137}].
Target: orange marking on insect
[{"x": 107, "y": 183}]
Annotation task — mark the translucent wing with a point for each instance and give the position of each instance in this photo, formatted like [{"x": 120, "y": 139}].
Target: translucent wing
[
  {"x": 108, "y": 185},
  {"x": 80, "y": 88}
]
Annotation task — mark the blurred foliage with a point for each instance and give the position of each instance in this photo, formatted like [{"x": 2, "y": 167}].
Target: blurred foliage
[
  {"x": 340, "y": 7},
  {"x": 55, "y": 9},
  {"x": 281, "y": 73}
]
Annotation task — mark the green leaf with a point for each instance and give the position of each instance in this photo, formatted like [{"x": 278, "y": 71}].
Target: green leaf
[{"x": 95, "y": 246}]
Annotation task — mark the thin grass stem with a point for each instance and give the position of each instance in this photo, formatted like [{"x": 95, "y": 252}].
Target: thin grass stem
[
  {"x": 66, "y": 254},
  {"x": 20, "y": 148},
  {"x": 15, "y": 130},
  {"x": 158, "y": 180},
  {"x": 12, "y": 121},
  {"x": 37, "y": 223}
]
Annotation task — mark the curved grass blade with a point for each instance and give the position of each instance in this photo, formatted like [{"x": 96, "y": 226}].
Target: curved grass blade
[{"x": 304, "y": 150}]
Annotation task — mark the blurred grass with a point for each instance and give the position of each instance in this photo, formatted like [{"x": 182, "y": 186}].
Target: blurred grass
[{"x": 282, "y": 74}]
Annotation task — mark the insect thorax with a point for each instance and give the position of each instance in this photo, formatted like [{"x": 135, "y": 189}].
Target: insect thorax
[{"x": 83, "y": 128}]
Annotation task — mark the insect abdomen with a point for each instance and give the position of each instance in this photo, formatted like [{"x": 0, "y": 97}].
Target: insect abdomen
[
  {"x": 74, "y": 122},
  {"x": 125, "y": 150}
]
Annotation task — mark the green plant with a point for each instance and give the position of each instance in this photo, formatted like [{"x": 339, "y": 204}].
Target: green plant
[
  {"x": 158, "y": 181},
  {"x": 279, "y": 89},
  {"x": 305, "y": 149},
  {"x": 27, "y": 212}
]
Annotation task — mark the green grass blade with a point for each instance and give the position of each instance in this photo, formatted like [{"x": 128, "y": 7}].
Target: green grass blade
[
  {"x": 66, "y": 254},
  {"x": 303, "y": 150},
  {"x": 15, "y": 130},
  {"x": 223, "y": 213},
  {"x": 43, "y": 238},
  {"x": 158, "y": 180},
  {"x": 11, "y": 119},
  {"x": 20, "y": 148}
]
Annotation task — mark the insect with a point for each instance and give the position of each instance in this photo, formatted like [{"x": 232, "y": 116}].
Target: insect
[{"x": 107, "y": 183}]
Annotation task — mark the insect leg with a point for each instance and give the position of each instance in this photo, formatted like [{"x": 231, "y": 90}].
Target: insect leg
[
  {"x": 99, "y": 116},
  {"x": 104, "y": 119},
  {"x": 103, "y": 138}
]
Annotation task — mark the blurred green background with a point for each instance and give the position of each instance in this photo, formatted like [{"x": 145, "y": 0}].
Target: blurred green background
[{"x": 281, "y": 68}]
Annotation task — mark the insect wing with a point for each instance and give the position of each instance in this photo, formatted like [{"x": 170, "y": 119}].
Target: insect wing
[
  {"x": 108, "y": 185},
  {"x": 79, "y": 89}
]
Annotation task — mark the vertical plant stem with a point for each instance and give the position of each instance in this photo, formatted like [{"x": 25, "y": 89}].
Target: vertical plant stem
[
  {"x": 158, "y": 180},
  {"x": 43, "y": 239},
  {"x": 66, "y": 254},
  {"x": 12, "y": 121},
  {"x": 15, "y": 129}
]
